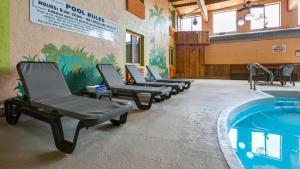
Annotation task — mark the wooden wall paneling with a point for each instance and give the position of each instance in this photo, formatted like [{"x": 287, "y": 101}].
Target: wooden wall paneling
[
  {"x": 179, "y": 60},
  {"x": 217, "y": 71},
  {"x": 192, "y": 38},
  {"x": 136, "y": 7},
  {"x": 189, "y": 61}
]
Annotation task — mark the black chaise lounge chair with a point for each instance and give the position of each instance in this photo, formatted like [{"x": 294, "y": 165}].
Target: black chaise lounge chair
[
  {"x": 114, "y": 81},
  {"x": 48, "y": 99},
  {"x": 157, "y": 78},
  {"x": 140, "y": 80}
]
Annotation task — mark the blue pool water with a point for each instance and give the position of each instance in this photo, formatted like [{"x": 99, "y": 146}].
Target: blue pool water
[{"x": 265, "y": 134}]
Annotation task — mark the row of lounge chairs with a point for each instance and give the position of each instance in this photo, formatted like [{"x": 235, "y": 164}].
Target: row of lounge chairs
[{"x": 48, "y": 98}]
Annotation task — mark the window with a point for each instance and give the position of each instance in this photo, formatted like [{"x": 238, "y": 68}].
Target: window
[
  {"x": 298, "y": 13},
  {"x": 272, "y": 16},
  {"x": 191, "y": 24},
  {"x": 133, "y": 48},
  {"x": 171, "y": 56},
  {"x": 224, "y": 21}
]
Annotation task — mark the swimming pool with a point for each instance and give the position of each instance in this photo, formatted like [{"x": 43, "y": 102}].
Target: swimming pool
[{"x": 265, "y": 133}]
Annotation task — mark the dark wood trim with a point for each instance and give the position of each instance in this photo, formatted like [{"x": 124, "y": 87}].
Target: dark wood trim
[
  {"x": 175, "y": 0},
  {"x": 185, "y": 4},
  {"x": 238, "y": 71},
  {"x": 209, "y": 2}
]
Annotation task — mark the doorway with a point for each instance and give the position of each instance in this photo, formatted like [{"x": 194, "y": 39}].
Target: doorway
[{"x": 190, "y": 61}]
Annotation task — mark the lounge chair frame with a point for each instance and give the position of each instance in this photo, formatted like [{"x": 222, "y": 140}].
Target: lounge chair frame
[
  {"x": 186, "y": 82},
  {"x": 175, "y": 88},
  {"x": 119, "y": 91},
  {"x": 16, "y": 106}
]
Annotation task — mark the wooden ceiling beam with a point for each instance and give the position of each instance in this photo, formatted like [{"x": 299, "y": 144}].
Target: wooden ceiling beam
[
  {"x": 185, "y": 4},
  {"x": 203, "y": 10}
]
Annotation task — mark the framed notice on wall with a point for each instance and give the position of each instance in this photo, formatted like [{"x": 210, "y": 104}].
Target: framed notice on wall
[
  {"x": 61, "y": 15},
  {"x": 279, "y": 48}
]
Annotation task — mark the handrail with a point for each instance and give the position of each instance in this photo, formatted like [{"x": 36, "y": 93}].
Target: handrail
[{"x": 253, "y": 67}]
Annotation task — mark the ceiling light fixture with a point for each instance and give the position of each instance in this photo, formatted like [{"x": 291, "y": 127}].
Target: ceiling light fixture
[{"x": 241, "y": 22}]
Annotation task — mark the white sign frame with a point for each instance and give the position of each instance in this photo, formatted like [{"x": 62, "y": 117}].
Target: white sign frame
[{"x": 61, "y": 15}]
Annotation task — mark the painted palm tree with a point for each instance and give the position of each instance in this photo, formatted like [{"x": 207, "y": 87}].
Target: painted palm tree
[{"x": 159, "y": 23}]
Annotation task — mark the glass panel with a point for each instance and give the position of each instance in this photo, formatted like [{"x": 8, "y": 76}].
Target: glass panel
[
  {"x": 224, "y": 21},
  {"x": 272, "y": 13},
  {"x": 186, "y": 24},
  {"x": 136, "y": 46},
  {"x": 299, "y": 14},
  {"x": 128, "y": 48},
  {"x": 133, "y": 48},
  {"x": 198, "y": 26},
  {"x": 258, "y": 21}
]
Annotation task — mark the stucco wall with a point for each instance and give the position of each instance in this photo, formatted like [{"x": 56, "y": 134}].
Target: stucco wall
[{"x": 28, "y": 38}]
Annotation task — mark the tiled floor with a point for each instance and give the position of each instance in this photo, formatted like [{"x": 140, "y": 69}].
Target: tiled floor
[{"x": 179, "y": 133}]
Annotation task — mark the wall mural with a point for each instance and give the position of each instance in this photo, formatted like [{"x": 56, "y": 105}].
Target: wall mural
[
  {"x": 77, "y": 65},
  {"x": 158, "y": 52}
]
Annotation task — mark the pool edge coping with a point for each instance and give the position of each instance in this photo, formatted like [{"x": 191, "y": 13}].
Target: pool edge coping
[{"x": 231, "y": 158}]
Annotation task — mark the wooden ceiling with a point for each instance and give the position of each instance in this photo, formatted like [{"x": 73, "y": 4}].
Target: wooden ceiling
[
  {"x": 192, "y": 7},
  {"x": 227, "y": 4},
  {"x": 186, "y": 7}
]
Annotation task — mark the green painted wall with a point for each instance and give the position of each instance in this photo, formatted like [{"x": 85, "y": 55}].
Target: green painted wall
[{"x": 5, "y": 37}]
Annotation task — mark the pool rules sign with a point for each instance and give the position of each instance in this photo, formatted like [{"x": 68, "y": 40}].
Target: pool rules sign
[{"x": 58, "y": 14}]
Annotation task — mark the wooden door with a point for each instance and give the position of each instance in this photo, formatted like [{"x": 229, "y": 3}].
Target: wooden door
[{"x": 189, "y": 61}]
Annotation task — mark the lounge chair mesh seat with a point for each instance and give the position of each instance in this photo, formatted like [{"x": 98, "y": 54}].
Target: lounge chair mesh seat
[
  {"x": 154, "y": 73},
  {"x": 140, "y": 80},
  {"x": 48, "y": 98},
  {"x": 114, "y": 81}
]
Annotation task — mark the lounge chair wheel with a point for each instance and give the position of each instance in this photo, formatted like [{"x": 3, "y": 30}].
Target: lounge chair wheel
[{"x": 12, "y": 116}]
